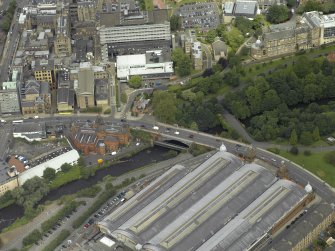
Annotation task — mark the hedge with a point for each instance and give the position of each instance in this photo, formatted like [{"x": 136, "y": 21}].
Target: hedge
[
  {"x": 96, "y": 205},
  {"x": 32, "y": 237},
  {"x": 48, "y": 224},
  {"x": 57, "y": 241}
]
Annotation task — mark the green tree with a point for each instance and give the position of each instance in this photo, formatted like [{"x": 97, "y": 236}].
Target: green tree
[
  {"x": 49, "y": 174},
  {"x": 135, "y": 82},
  {"x": 244, "y": 25},
  {"x": 234, "y": 38},
  {"x": 294, "y": 150},
  {"x": 182, "y": 62},
  {"x": 306, "y": 138},
  {"x": 65, "y": 167},
  {"x": 124, "y": 97},
  {"x": 277, "y": 14},
  {"x": 258, "y": 22},
  {"x": 210, "y": 36},
  {"x": 81, "y": 162},
  {"x": 221, "y": 29},
  {"x": 330, "y": 158},
  {"x": 164, "y": 105},
  {"x": 291, "y": 3},
  {"x": 194, "y": 126},
  {"x": 316, "y": 134},
  {"x": 32, "y": 237},
  {"x": 184, "y": 66},
  {"x": 293, "y": 138},
  {"x": 310, "y": 5},
  {"x": 175, "y": 23}
]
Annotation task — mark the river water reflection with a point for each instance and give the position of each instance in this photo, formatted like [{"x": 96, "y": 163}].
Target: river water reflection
[{"x": 148, "y": 156}]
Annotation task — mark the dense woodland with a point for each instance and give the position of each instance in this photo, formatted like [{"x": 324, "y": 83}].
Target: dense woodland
[
  {"x": 297, "y": 99},
  {"x": 294, "y": 102}
]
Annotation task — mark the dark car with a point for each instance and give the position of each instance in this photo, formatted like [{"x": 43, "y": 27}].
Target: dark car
[
  {"x": 142, "y": 126},
  {"x": 123, "y": 120},
  {"x": 91, "y": 221},
  {"x": 191, "y": 136}
]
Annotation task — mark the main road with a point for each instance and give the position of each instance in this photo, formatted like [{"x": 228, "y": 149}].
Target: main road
[{"x": 296, "y": 172}]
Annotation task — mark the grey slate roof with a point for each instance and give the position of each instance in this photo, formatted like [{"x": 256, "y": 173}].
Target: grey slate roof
[
  {"x": 145, "y": 17},
  {"x": 220, "y": 205},
  {"x": 245, "y": 8}
]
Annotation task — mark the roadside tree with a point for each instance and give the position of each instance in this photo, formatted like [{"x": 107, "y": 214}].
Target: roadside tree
[
  {"x": 135, "y": 82},
  {"x": 49, "y": 174},
  {"x": 277, "y": 14}
]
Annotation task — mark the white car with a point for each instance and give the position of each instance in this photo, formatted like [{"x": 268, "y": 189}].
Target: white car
[
  {"x": 176, "y": 132},
  {"x": 155, "y": 128},
  {"x": 35, "y": 117},
  {"x": 3, "y": 121}
]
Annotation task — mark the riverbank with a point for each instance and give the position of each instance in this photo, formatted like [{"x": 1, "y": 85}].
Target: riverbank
[
  {"x": 124, "y": 165},
  {"x": 151, "y": 169}
]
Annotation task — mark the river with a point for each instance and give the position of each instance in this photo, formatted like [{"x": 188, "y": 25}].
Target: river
[{"x": 145, "y": 157}]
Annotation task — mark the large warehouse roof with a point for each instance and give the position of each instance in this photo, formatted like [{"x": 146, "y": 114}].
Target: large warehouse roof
[
  {"x": 70, "y": 157},
  {"x": 222, "y": 204}
]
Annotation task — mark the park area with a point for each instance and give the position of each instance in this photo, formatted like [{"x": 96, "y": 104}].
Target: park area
[{"x": 321, "y": 164}]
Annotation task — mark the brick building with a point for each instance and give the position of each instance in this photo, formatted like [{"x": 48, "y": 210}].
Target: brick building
[{"x": 97, "y": 136}]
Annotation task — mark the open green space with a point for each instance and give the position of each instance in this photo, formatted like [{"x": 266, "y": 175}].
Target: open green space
[
  {"x": 314, "y": 163},
  {"x": 65, "y": 177}
]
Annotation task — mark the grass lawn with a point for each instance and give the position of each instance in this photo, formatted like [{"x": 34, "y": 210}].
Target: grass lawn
[
  {"x": 64, "y": 178},
  {"x": 315, "y": 163}
]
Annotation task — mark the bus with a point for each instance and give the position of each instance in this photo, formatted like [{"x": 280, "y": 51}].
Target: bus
[{"x": 17, "y": 121}]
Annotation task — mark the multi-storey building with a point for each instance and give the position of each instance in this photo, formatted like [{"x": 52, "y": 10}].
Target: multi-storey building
[
  {"x": 86, "y": 10},
  {"x": 9, "y": 98},
  {"x": 281, "y": 40},
  {"x": 43, "y": 71},
  {"x": 36, "y": 97},
  {"x": 84, "y": 86},
  {"x": 134, "y": 31},
  {"x": 323, "y": 25},
  {"x": 65, "y": 92},
  {"x": 62, "y": 42}
]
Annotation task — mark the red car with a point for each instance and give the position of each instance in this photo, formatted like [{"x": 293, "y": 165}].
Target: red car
[{"x": 86, "y": 225}]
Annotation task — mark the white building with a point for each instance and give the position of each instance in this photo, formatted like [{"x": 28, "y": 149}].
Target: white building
[
  {"x": 150, "y": 65},
  {"x": 124, "y": 27},
  {"x": 325, "y": 24},
  {"x": 70, "y": 157},
  {"x": 30, "y": 131}
]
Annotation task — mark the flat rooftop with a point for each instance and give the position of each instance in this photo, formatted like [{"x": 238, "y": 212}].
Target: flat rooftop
[{"x": 193, "y": 209}]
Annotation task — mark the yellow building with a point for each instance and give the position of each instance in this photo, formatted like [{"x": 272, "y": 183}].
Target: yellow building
[
  {"x": 43, "y": 71},
  {"x": 8, "y": 185}
]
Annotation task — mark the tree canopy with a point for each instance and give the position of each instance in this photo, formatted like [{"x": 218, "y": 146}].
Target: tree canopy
[
  {"x": 277, "y": 14},
  {"x": 182, "y": 62},
  {"x": 164, "y": 104},
  {"x": 285, "y": 103},
  {"x": 135, "y": 81},
  {"x": 49, "y": 174},
  {"x": 175, "y": 23}
]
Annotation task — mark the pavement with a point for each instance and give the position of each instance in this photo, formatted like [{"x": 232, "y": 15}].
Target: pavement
[
  {"x": 13, "y": 239},
  {"x": 209, "y": 59}
]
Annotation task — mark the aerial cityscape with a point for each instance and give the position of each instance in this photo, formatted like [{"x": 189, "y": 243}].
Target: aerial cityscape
[{"x": 167, "y": 125}]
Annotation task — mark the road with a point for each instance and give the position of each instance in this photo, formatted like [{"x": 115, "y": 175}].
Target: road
[
  {"x": 296, "y": 172},
  {"x": 208, "y": 57}
]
